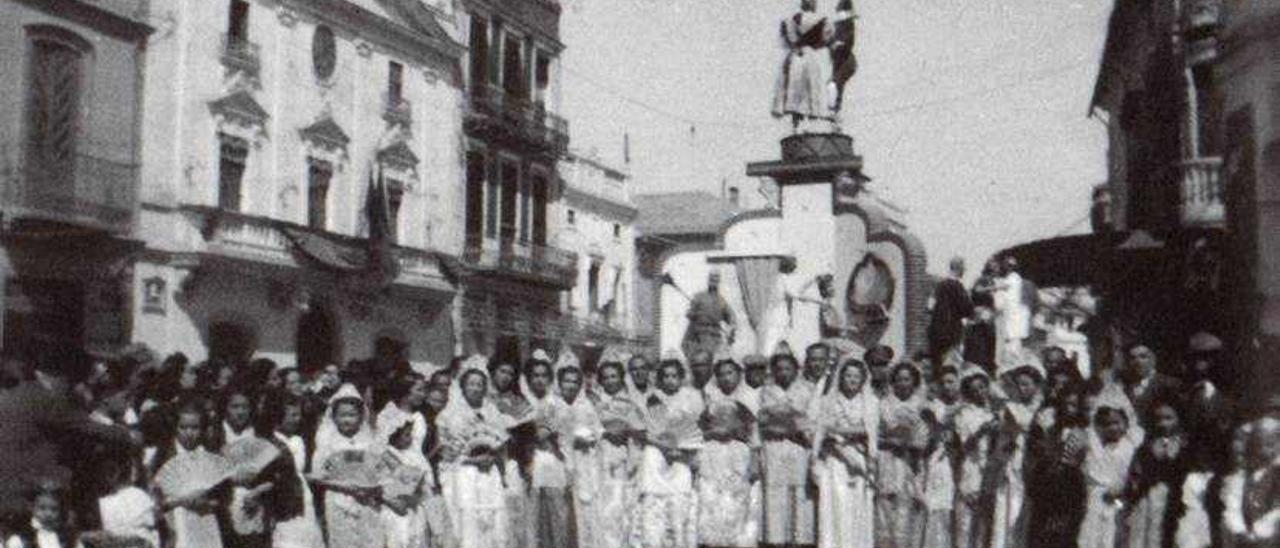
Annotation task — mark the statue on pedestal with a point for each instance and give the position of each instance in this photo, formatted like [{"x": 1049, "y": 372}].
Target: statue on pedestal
[
  {"x": 819, "y": 62},
  {"x": 711, "y": 321}
]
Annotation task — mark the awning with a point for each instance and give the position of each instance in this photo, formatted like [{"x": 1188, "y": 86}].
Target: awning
[
  {"x": 343, "y": 257},
  {"x": 1077, "y": 260}
]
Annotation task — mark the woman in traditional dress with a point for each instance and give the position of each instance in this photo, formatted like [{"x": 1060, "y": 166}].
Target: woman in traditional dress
[
  {"x": 1055, "y": 483},
  {"x": 1009, "y": 524},
  {"x": 405, "y": 475},
  {"x": 352, "y": 512},
  {"x": 729, "y": 462},
  {"x": 845, "y": 448},
  {"x": 786, "y": 432},
  {"x": 939, "y": 466},
  {"x": 579, "y": 430},
  {"x": 1156, "y": 478},
  {"x": 667, "y": 514},
  {"x": 192, "y": 520},
  {"x": 975, "y": 426},
  {"x": 303, "y": 530},
  {"x": 549, "y": 502},
  {"x": 473, "y": 433},
  {"x": 618, "y": 455},
  {"x": 903, "y": 437},
  {"x": 1112, "y": 443},
  {"x": 509, "y": 397},
  {"x": 801, "y": 88},
  {"x": 408, "y": 393}
]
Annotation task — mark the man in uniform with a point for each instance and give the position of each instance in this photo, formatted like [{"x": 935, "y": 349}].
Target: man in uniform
[{"x": 711, "y": 320}]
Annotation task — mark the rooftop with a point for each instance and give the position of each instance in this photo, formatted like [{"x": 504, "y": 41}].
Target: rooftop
[{"x": 692, "y": 212}]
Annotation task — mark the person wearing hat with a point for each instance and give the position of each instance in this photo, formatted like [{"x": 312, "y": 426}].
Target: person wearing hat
[
  {"x": 711, "y": 321},
  {"x": 951, "y": 307},
  {"x": 1209, "y": 412}
]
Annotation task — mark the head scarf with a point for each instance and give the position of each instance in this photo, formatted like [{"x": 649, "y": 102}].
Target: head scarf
[
  {"x": 460, "y": 424},
  {"x": 329, "y": 440},
  {"x": 835, "y": 414}
]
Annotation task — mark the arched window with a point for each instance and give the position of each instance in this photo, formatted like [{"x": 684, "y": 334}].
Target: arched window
[
  {"x": 870, "y": 296},
  {"x": 56, "y": 72}
]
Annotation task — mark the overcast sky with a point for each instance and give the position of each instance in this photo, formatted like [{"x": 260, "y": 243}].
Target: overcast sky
[{"x": 970, "y": 114}]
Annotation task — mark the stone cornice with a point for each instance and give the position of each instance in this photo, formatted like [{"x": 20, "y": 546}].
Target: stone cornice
[{"x": 385, "y": 32}]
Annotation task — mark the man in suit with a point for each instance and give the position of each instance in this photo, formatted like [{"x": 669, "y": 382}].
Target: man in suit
[
  {"x": 42, "y": 429},
  {"x": 1143, "y": 382},
  {"x": 1209, "y": 412}
]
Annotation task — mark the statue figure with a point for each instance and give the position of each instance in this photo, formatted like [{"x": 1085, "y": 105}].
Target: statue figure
[
  {"x": 801, "y": 91},
  {"x": 711, "y": 321},
  {"x": 819, "y": 63},
  {"x": 843, "y": 60}
]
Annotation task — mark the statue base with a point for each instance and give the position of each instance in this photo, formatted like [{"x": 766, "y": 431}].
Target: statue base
[{"x": 812, "y": 158}]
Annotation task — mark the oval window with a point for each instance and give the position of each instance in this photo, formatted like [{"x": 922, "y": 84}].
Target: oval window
[{"x": 324, "y": 55}]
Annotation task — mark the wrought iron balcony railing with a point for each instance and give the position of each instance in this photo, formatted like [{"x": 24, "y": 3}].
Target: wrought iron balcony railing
[
  {"x": 1202, "y": 197},
  {"x": 240, "y": 54},
  {"x": 86, "y": 190},
  {"x": 544, "y": 263}
]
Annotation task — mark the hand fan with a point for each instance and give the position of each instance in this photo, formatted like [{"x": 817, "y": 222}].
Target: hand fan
[
  {"x": 399, "y": 479},
  {"x": 350, "y": 468},
  {"x": 191, "y": 474},
  {"x": 251, "y": 454}
]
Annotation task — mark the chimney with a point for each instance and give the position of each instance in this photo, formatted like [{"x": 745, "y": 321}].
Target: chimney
[{"x": 733, "y": 196}]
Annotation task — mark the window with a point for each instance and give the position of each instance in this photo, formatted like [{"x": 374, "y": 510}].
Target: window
[
  {"x": 231, "y": 166},
  {"x": 479, "y": 52},
  {"x": 238, "y": 20},
  {"x": 510, "y": 187},
  {"x": 513, "y": 67},
  {"x": 319, "y": 173},
  {"x": 573, "y": 217},
  {"x": 540, "y": 210},
  {"x": 53, "y": 107},
  {"x": 395, "y": 82},
  {"x": 593, "y": 286},
  {"x": 395, "y": 197},
  {"x": 542, "y": 78},
  {"x": 491, "y": 213},
  {"x": 475, "y": 197},
  {"x": 525, "y": 198}
]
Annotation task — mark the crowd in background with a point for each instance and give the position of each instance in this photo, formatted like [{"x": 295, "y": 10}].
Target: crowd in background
[{"x": 816, "y": 450}]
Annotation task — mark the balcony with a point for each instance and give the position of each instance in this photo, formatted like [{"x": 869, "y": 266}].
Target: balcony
[
  {"x": 396, "y": 110},
  {"x": 501, "y": 116},
  {"x": 1200, "y": 23},
  {"x": 1202, "y": 198},
  {"x": 240, "y": 54},
  {"x": 89, "y": 191},
  {"x": 535, "y": 262}
]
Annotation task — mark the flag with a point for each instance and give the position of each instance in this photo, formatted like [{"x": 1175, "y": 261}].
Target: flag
[{"x": 377, "y": 208}]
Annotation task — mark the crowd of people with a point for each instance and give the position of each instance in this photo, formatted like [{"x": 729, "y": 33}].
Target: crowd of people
[{"x": 823, "y": 450}]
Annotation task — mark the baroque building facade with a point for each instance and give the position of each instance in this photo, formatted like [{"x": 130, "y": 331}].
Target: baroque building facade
[
  {"x": 514, "y": 277},
  {"x": 285, "y": 138},
  {"x": 70, "y": 147}
]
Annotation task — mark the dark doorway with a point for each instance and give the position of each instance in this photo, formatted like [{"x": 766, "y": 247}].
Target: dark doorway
[
  {"x": 44, "y": 310},
  {"x": 316, "y": 342},
  {"x": 230, "y": 344}
]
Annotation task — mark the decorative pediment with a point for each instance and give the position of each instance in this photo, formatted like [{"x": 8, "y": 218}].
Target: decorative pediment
[
  {"x": 241, "y": 108},
  {"x": 399, "y": 156},
  {"x": 326, "y": 133}
]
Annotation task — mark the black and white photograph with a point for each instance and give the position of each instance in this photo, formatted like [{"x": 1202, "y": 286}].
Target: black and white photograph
[{"x": 639, "y": 273}]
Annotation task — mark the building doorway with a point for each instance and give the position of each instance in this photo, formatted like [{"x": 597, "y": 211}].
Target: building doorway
[
  {"x": 44, "y": 310},
  {"x": 230, "y": 344},
  {"x": 316, "y": 342}
]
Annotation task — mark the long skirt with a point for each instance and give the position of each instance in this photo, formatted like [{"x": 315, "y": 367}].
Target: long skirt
[
  {"x": 666, "y": 520},
  {"x": 724, "y": 496},
  {"x": 973, "y": 523},
  {"x": 477, "y": 507},
  {"x": 551, "y": 513},
  {"x": 405, "y": 531},
  {"x": 352, "y": 524},
  {"x": 846, "y": 507},
  {"x": 1009, "y": 524},
  {"x": 303, "y": 531},
  {"x": 789, "y": 517},
  {"x": 1145, "y": 521},
  {"x": 1101, "y": 522},
  {"x": 613, "y": 502}
]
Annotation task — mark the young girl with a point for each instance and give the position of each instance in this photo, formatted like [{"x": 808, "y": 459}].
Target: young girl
[
  {"x": 50, "y": 526},
  {"x": 1009, "y": 522},
  {"x": 550, "y": 501},
  {"x": 728, "y": 463},
  {"x": 787, "y": 499},
  {"x": 975, "y": 426},
  {"x": 845, "y": 448},
  {"x": 351, "y": 509},
  {"x": 579, "y": 427},
  {"x": 1111, "y": 447},
  {"x": 1055, "y": 484},
  {"x": 939, "y": 482},
  {"x": 1155, "y": 480},
  {"x": 903, "y": 436},
  {"x": 509, "y": 399},
  {"x": 404, "y": 474},
  {"x": 472, "y": 434},
  {"x": 192, "y": 519},
  {"x": 302, "y": 530}
]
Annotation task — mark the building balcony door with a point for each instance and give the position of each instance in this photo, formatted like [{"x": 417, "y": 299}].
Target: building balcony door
[
  {"x": 43, "y": 310},
  {"x": 316, "y": 343},
  {"x": 230, "y": 344}
]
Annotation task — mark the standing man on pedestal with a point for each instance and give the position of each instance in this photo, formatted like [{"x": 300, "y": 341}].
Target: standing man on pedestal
[{"x": 711, "y": 321}]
